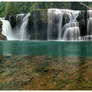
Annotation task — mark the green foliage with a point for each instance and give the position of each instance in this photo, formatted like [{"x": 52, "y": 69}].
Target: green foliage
[
  {"x": 16, "y": 7},
  {"x": 34, "y": 7},
  {"x": 11, "y": 8},
  {"x": 78, "y": 6},
  {"x": 2, "y": 8}
]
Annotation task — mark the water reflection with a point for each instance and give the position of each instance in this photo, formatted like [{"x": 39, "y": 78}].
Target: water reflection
[{"x": 51, "y": 48}]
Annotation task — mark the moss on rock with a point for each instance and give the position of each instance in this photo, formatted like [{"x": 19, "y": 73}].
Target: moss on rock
[{"x": 0, "y": 24}]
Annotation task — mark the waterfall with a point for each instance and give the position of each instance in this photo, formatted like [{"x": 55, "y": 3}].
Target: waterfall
[
  {"x": 89, "y": 27},
  {"x": 7, "y": 30},
  {"x": 23, "y": 30},
  {"x": 90, "y": 13},
  {"x": 69, "y": 25},
  {"x": 72, "y": 33},
  {"x": 61, "y": 24},
  {"x": 19, "y": 32}
]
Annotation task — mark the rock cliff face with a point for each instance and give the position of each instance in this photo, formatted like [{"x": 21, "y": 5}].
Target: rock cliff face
[
  {"x": 2, "y": 37},
  {"x": 82, "y": 18}
]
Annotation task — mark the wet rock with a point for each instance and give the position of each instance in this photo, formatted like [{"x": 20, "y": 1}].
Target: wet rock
[
  {"x": 36, "y": 26},
  {"x": 65, "y": 20},
  {"x": 82, "y": 18},
  {"x": 2, "y": 37},
  {"x": 12, "y": 20}
]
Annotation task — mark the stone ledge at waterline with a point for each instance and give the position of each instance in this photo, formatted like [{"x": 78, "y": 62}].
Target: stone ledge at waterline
[{"x": 2, "y": 37}]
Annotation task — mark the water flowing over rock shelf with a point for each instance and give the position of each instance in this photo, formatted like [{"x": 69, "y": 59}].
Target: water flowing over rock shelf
[{"x": 54, "y": 24}]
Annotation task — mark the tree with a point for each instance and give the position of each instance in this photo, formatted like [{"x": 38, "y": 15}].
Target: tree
[
  {"x": 2, "y": 8},
  {"x": 34, "y": 7},
  {"x": 17, "y": 7},
  {"x": 10, "y": 8}
]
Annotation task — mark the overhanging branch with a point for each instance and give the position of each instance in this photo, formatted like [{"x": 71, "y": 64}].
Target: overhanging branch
[{"x": 85, "y": 6}]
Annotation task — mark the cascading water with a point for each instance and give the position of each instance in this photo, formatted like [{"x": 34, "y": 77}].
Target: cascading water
[
  {"x": 7, "y": 30},
  {"x": 22, "y": 32},
  {"x": 19, "y": 31},
  {"x": 61, "y": 24},
  {"x": 71, "y": 33},
  {"x": 69, "y": 30},
  {"x": 89, "y": 26},
  {"x": 69, "y": 25}
]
